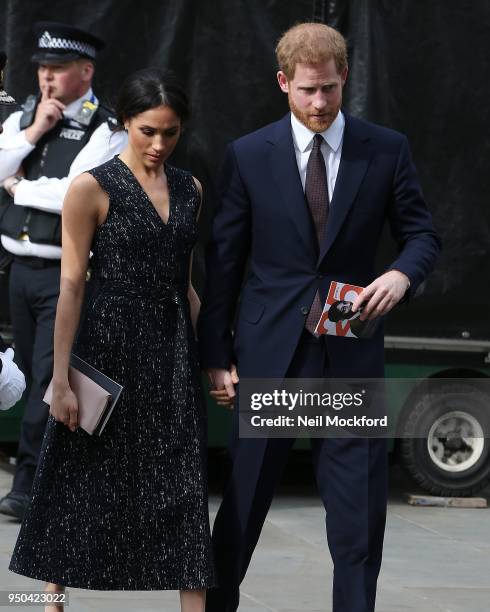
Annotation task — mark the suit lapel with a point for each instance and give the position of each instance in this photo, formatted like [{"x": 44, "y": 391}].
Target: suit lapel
[
  {"x": 356, "y": 154},
  {"x": 285, "y": 172}
]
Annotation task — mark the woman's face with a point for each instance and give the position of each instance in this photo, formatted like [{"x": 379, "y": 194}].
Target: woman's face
[{"x": 153, "y": 134}]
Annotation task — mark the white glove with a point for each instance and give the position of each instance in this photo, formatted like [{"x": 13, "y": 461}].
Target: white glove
[{"x": 12, "y": 381}]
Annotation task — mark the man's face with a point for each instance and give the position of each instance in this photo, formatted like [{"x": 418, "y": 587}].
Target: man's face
[
  {"x": 65, "y": 82},
  {"x": 314, "y": 93},
  {"x": 344, "y": 307}
]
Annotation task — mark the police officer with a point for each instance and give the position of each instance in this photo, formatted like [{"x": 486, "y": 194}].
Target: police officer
[
  {"x": 62, "y": 131},
  {"x": 12, "y": 381}
]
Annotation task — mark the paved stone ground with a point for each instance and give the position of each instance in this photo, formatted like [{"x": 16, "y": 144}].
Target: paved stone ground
[{"x": 435, "y": 559}]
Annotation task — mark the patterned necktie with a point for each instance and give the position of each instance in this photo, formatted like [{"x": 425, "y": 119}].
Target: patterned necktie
[{"x": 316, "y": 191}]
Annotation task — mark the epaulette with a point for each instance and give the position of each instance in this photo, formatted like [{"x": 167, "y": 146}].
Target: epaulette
[
  {"x": 109, "y": 116},
  {"x": 29, "y": 111},
  {"x": 112, "y": 123}
]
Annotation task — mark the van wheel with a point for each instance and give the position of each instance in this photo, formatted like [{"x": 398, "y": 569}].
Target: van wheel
[{"x": 443, "y": 443}]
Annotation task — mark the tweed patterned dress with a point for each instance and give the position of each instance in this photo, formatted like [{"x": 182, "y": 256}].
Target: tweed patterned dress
[{"x": 128, "y": 509}]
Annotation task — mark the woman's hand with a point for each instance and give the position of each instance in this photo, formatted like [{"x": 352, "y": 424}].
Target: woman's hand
[
  {"x": 64, "y": 407},
  {"x": 223, "y": 385}
]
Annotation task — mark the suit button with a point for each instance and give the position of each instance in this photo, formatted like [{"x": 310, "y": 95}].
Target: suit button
[
  {"x": 304, "y": 310},
  {"x": 320, "y": 276}
]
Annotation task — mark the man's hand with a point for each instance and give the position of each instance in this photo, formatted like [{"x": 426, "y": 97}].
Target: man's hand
[
  {"x": 49, "y": 111},
  {"x": 223, "y": 385},
  {"x": 381, "y": 295}
]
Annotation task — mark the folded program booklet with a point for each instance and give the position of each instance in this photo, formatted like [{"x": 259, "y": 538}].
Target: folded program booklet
[
  {"x": 97, "y": 394},
  {"x": 337, "y": 318}
]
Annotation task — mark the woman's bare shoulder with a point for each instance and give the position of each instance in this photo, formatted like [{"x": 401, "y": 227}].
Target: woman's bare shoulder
[
  {"x": 85, "y": 182},
  {"x": 85, "y": 192}
]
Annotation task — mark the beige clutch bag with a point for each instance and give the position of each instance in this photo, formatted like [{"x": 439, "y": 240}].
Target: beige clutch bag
[{"x": 96, "y": 393}]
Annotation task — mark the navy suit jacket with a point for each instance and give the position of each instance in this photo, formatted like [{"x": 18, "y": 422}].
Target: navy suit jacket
[{"x": 262, "y": 218}]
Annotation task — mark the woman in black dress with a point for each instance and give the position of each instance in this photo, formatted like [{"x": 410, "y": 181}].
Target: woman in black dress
[{"x": 128, "y": 509}]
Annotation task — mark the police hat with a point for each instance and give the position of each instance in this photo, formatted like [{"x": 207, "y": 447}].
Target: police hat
[
  {"x": 4, "y": 97},
  {"x": 59, "y": 43}
]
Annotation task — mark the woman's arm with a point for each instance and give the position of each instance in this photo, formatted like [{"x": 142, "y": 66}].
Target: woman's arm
[
  {"x": 194, "y": 301},
  {"x": 82, "y": 210}
]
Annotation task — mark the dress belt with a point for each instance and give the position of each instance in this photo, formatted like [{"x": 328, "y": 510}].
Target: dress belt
[{"x": 162, "y": 292}]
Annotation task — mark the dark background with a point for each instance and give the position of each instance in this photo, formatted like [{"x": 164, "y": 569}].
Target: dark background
[{"x": 417, "y": 66}]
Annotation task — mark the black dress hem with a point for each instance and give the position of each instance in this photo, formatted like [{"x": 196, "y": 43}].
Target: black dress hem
[{"x": 173, "y": 586}]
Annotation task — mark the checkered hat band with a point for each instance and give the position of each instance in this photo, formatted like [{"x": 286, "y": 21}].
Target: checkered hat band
[{"x": 51, "y": 42}]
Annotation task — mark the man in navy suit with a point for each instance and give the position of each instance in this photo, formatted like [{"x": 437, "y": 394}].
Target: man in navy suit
[{"x": 304, "y": 201}]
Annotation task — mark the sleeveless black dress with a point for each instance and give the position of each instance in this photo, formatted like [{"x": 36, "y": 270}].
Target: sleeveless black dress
[{"x": 128, "y": 509}]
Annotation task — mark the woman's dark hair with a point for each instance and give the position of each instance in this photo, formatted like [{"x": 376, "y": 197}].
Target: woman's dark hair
[{"x": 149, "y": 88}]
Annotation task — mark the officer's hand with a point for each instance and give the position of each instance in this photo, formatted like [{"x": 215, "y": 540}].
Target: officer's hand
[
  {"x": 64, "y": 407},
  {"x": 9, "y": 184},
  {"x": 49, "y": 111},
  {"x": 381, "y": 295}
]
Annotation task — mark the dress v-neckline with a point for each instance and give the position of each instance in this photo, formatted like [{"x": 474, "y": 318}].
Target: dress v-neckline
[{"x": 147, "y": 197}]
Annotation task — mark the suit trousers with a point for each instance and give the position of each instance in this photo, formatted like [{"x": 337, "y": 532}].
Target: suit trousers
[
  {"x": 351, "y": 475},
  {"x": 33, "y": 299}
]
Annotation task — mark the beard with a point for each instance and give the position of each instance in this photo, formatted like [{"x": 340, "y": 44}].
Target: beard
[{"x": 315, "y": 124}]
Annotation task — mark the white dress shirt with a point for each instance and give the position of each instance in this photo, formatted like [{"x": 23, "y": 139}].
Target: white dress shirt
[
  {"x": 48, "y": 193},
  {"x": 12, "y": 381},
  {"x": 331, "y": 148}
]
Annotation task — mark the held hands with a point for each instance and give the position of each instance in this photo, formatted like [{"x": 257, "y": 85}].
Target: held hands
[
  {"x": 49, "y": 111},
  {"x": 381, "y": 295},
  {"x": 64, "y": 407},
  {"x": 223, "y": 385}
]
